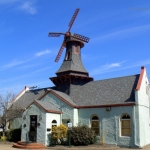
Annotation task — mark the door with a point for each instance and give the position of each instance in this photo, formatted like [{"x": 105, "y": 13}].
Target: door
[{"x": 33, "y": 128}]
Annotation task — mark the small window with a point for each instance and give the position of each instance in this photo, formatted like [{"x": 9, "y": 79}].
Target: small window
[
  {"x": 54, "y": 123},
  {"x": 68, "y": 55},
  {"x": 95, "y": 124},
  {"x": 76, "y": 49},
  {"x": 125, "y": 125},
  {"x": 65, "y": 121}
]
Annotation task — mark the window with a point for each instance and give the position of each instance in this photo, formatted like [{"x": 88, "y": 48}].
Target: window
[
  {"x": 65, "y": 121},
  {"x": 68, "y": 55},
  {"x": 95, "y": 124},
  {"x": 125, "y": 125},
  {"x": 54, "y": 123},
  {"x": 76, "y": 50}
]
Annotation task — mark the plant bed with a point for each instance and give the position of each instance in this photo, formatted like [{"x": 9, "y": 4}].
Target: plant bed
[{"x": 89, "y": 147}]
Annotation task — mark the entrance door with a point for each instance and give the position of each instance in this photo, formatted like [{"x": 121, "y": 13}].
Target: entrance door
[{"x": 33, "y": 128}]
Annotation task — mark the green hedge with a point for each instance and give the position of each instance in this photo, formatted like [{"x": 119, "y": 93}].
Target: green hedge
[
  {"x": 82, "y": 135},
  {"x": 14, "y": 135}
]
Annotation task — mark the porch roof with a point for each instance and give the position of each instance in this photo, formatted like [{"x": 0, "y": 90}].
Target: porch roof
[{"x": 47, "y": 106}]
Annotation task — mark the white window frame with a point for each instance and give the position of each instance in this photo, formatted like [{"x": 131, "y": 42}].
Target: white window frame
[
  {"x": 96, "y": 121},
  {"x": 121, "y": 131}
]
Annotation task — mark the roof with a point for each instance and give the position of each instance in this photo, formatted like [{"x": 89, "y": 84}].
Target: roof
[
  {"x": 74, "y": 64},
  {"x": 115, "y": 91},
  {"x": 110, "y": 91},
  {"x": 47, "y": 106},
  {"x": 28, "y": 97},
  {"x": 69, "y": 65}
]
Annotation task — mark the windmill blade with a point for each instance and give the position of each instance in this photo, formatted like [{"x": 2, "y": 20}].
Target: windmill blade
[
  {"x": 73, "y": 18},
  {"x": 81, "y": 37},
  {"x": 55, "y": 34},
  {"x": 60, "y": 52}
]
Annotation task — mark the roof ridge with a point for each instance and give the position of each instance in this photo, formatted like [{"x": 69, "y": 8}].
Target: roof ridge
[{"x": 115, "y": 78}]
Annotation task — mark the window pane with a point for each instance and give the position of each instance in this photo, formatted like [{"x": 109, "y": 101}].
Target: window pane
[
  {"x": 125, "y": 123},
  {"x": 95, "y": 118},
  {"x": 54, "y": 121},
  {"x": 125, "y": 117},
  {"x": 94, "y": 123},
  {"x": 126, "y": 132},
  {"x": 96, "y": 130}
]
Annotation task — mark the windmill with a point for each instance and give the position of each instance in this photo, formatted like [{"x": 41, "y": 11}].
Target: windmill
[{"x": 68, "y": 34}]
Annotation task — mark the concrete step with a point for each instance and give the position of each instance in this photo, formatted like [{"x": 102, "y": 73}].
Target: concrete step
[{"x": 29, "y": 145}]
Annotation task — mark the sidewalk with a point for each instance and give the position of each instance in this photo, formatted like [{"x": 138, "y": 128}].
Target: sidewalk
[{"x": 91, "y": 147}]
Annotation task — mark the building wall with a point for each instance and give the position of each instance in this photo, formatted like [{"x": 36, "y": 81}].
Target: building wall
[
  {"x": 68, "y": 111},
  {"x": 17, "y": 123},
  {"x": 49, "y": 118},
  {"x": 109, "y": 124},
  {"x": 142, "y": 111},
  {"x": 41, "y": 118}
]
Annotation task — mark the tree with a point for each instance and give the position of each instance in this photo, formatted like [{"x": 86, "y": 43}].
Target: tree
[{"x": 7, "y": 111}]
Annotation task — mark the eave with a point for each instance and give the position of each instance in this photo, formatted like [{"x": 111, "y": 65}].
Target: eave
[{"x": 62, "y": 78}]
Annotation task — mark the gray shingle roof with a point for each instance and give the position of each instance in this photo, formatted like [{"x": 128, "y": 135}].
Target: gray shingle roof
[
  {"x": 110, "y": 91},
  {"x": 28, "y": 97},
  {"x": 75, "y": 64},
  {"x": 103, "y": 92},
  {"x": 47, "y": 105}
]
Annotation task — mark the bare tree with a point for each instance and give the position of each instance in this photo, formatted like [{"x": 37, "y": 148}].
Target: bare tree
[{"x": 7, "y": 111}]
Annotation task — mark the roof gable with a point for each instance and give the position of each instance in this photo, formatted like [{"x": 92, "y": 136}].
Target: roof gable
[
  {"x": 47, "y": 107},
  {"x": 62, "y": 96}
]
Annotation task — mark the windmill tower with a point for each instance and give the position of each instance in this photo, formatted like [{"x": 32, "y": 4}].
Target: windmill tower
[{"x": 72, "y": 71}]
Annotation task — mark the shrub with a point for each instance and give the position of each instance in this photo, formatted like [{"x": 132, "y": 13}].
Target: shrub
[
  {"x": 1, "y": 133},
  {"x": 59, "y": 134},
  {"x": 14, "y": 135},
  {"x": 82, "y": 135},
  {"x": 3, "y": 138}
]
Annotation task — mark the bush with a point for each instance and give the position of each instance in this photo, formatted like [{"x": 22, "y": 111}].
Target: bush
[
  {"x": 1, "y": 133},
  {"x": 82, "y": 135},
  {"x": 59, "y": 134},
  {"x": 3, "y": 138},
  {"x": 14, "y": 135}
]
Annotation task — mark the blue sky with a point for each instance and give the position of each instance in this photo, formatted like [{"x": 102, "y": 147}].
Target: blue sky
[{"x": 119, "y": 33}]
